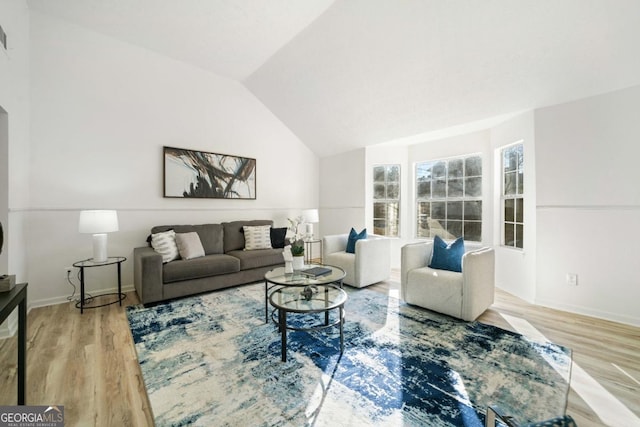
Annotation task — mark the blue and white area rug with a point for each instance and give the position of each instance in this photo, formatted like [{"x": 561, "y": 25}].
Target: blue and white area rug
[{"x": 210, "y": 360}]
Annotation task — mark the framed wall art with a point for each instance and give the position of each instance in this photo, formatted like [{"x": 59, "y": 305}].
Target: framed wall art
[{"x": 200, "y": 174}]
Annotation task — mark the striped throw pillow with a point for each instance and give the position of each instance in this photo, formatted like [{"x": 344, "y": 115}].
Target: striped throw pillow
[
  {"x": 165, "y": 244},
  {"x": 257, "y": 237}
]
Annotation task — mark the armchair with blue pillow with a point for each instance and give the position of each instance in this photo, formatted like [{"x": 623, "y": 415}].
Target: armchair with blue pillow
[
  {"x": 448, "y": 279},
  {"x": 365, "y": 258}
]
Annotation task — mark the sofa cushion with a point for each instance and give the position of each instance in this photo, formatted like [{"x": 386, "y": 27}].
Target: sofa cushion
[
  {"x": 206, "y": 266},
  {"x": 278, "y": 237},
  {"x": 164, "y": 242},
  {"x": 189, "y": 245},
  {"x": 233, "y": 236},
  {"x": 438, "y": 290},
  {"x": 258, "y": 258},
  {"x": 176, "y": 228},
  {"x": 257, "y": 237},
  {"x": 211, "y": 235}
]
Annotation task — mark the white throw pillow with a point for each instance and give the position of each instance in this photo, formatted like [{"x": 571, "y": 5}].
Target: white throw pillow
[
  {"x": 257, "y": 237},
  {"x": 165, "y": 244},
  {"x": 189, "y": 245}
]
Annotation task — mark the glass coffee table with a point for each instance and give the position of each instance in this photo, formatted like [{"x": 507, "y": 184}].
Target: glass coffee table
[
  {"x": 278, "y": 278},
  {"x": 305, "y": 299}
]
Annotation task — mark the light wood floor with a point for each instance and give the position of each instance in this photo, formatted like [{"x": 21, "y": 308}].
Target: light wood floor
[{"x": 88, "y": 363}]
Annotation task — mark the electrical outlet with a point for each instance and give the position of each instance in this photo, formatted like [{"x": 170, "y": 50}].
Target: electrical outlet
[
  {"x": 572, "y": 279},
  {"x": 67, "y": 272}
]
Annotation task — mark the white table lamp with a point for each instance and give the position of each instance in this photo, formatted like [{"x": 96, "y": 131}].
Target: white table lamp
[
  {"x": 98, "y": 223},
  {"x": 309, "y": 217}
]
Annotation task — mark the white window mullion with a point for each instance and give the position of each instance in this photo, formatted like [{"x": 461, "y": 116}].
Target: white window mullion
[
  {"x": 386, "y": 200},
  {"x": 512, "y": 196},
  {"x": 440, "y": 186}
]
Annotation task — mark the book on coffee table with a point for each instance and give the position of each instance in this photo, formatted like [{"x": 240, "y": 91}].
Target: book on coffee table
[{"x": 316, "y": 271}]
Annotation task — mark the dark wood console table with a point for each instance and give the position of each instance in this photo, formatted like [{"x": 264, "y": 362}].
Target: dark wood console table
[{"x": 8, "y": 301}]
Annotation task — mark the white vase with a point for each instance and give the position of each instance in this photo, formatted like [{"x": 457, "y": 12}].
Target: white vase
[{"x": 298, "y": 262}]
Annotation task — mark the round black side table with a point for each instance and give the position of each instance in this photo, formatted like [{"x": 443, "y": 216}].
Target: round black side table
[{"x": 87, "y": 263}]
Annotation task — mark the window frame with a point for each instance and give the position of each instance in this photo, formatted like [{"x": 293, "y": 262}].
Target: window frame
[
  {"x": 463, "y": 198},
  {"x": 386, "y": 200},
  {"x": 518, "y": 198}
]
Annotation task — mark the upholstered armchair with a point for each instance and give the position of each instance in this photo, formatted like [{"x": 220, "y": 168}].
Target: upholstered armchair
[
  {"x": 464, "y": 295},
  {"x": 371, "y": 262}
]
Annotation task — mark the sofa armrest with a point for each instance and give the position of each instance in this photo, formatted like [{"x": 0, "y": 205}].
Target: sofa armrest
[
  {"x": 478, "y": 269},
  {"x": 413, "y": 255},
  {"x": 373, "y": 259},
  {"x": 147, "y": 274},
  {"x": 334, "y": 243}
]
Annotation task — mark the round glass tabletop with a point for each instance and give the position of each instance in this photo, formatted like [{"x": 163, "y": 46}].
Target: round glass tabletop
[{"x": 278, "y": 276}]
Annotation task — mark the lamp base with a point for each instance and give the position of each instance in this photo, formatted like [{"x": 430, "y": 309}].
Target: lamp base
[
  {"x": 308, "y": 230},
  {"x": 7, "y": 282},
  {"x": 99, "y": 247}
]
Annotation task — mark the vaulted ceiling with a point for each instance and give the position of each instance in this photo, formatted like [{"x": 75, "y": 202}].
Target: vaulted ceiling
[{"x": 344, "y": 74}]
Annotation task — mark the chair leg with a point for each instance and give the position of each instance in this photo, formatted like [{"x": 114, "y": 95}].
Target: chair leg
[
  {"x": 494, "y": 412},
  {"x": 490, "y": 418}
]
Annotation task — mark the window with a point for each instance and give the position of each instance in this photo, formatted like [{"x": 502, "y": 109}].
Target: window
[
  {"x": 449, "y": 198},
  {"x": 513, "y": 196},
  {"x": 386, "y": 200}
]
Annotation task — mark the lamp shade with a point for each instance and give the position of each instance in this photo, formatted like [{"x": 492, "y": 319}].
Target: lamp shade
[
  {"x": 98, "y": 221},
  {"x": 310, "y": 216}
]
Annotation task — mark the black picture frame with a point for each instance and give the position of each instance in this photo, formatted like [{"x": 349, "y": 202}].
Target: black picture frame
[{"x": 202, "y": 174}]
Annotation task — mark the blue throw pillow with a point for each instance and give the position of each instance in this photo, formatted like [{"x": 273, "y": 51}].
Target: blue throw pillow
[
  {"x": 353, "y": 237},
  {"x": 447, "y": 257}
]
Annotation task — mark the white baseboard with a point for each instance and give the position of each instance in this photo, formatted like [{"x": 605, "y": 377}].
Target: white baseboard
[
  {"x": 614, "y": 317},
  {"x": 64, "y": 299},
  {"x": 10, "y": 326}
]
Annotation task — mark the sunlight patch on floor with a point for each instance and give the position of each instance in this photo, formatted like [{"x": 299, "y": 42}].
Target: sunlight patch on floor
[
  {"x": 609, "y": 409},
  {"x": 626, "y": 373},
  {"x": 393, "y": 321},
  {"x": 317, "y": 398},
  {"x": 314, "y": 409},
  {"x": 396, "y": 294}
]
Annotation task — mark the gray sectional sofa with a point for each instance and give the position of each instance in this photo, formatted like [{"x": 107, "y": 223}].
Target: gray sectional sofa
[{"x": 225, "y": 263}]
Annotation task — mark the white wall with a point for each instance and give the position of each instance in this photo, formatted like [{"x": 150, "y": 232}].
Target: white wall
[
  {"x": 101, "y": 112},
  {"x": 4, "y": 186},
  {"x": 588, "y": 214},
  {"x": 14, "y": 99},
  {"x": 14, "y": 137},
  {"x": 516, "y": 268},
  {"x": 342, "y": 192},
  {"x": 407, "y": 157},
  {"x": 90, "y": 130}
]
